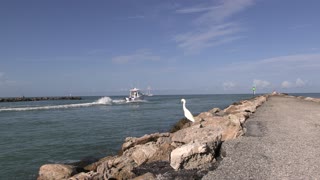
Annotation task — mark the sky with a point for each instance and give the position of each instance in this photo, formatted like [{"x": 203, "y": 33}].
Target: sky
[{"x": 105, "y": 47}]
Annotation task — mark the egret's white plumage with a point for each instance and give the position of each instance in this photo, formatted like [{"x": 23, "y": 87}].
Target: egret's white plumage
[{"x": 187, "y": 113}]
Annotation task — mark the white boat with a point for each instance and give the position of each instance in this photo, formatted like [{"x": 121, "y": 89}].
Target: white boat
[{"x": 135, "y": 95}]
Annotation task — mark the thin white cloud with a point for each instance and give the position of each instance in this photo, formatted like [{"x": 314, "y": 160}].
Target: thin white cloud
[
  {"x": 261, "y": 84},
  {"x": 228, "y": 85},
  {"x": 211, "y": 26},
  {"x": 213, "y": 36},
  {"x": 298, "y": 84},
  {"x": 138, "y": 56},
  {"x": 212, "y": 13},
  {"x": 223, "y": 11},
  {"x": 286, "y": 84},
  {"x": 197, "y": 9}
]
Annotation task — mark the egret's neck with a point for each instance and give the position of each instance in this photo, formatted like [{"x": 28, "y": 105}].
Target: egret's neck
[{"x": 184, "y": 104}]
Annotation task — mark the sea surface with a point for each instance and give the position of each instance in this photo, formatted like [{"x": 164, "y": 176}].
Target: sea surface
[{"x": 66, "y": 131}]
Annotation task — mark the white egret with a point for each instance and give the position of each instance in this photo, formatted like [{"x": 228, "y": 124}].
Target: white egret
[{"x": 187, "y": 113}]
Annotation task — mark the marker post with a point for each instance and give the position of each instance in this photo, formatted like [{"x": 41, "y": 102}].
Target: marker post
[{"x": 254, "y": 90}]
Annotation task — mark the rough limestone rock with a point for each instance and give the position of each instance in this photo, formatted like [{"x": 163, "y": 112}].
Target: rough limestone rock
[
  {"x": 193, "y": 155},
  {"x": 191, "y": 134},
  {"x": 203, "y": 116},
  {"x": 56, "y": 172},
  {"x": 214, "y": 110},
  {"x": 150, "y": 152},
  {"x": 132, "y": 141},
  {"x": 245, "y": 106},
  {"x": 238, "y": 117},
  {"x": 209, "y": 129},
  {"x": 87, "y": 176},
  {"x": 93, "y": 166},
  {"x": 317, "y": 100},
  {"x": 142, "y": 153},
  {"x": 146, "y": 176},
  {"x": 119, "y": 167},
  {"x": 249, "y": 106}
]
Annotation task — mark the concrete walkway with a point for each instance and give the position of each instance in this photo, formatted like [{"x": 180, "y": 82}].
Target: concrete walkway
[{"x": 282, "y": 142}]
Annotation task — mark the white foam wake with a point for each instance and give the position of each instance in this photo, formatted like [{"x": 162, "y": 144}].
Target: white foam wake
[{"x": 101, "y": 101}]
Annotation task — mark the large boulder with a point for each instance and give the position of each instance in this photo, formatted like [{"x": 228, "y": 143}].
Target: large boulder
[
  {"x": 240, "y": 117},
  {"x": 56, "y": 172},
  {"x": 142, "y": 153},
  {"x": 118, "y": 167},
  {"x": 209, "y": 129},
  {"x": 193, "y": 133},
  {"x": 194, "y": 155},
  {"x": 150, "y": 152}
]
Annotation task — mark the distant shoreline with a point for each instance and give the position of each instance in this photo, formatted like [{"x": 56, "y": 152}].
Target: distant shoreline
[{"x": 19, "y": 99}]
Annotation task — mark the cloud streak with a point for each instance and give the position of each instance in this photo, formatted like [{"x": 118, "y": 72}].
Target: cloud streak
[
  {"x": 213, "y": 36},
  {"x": 228, "y": 85},
  {"x": 262, "y": 84},
  {"x": 297, "y": 84},
  {"x": 211, "y": 26}
]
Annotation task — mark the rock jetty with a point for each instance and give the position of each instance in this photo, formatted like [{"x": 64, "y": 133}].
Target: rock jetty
[
  {"x": 189, "y": 151},
  {"x": 17, "y": 99},
  {"x": 281, "y": 142}
]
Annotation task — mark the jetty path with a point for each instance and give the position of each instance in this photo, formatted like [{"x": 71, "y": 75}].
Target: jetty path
[{"x": 282, "y": 142}]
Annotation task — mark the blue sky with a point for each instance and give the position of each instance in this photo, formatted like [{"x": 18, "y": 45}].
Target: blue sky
[{"x": 105, "y": 47}]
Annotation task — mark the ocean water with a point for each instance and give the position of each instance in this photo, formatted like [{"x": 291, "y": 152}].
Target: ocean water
[{"x": 64, "y": 131}]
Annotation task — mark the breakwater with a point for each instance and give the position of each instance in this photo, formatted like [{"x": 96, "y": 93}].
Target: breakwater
[
  {"x": 281, "y": 142},
  {"x": 18, "y": 99},
  {"x": 187, "y": 152}
]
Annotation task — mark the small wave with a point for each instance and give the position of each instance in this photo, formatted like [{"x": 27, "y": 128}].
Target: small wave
[
  {"x": 138, "y": 101},
  {"x": 119, "y": 101},
  {"x": 101, "y": 101}
]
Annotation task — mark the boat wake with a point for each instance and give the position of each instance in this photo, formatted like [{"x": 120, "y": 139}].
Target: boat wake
[{"x": 101, "y": 101}]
